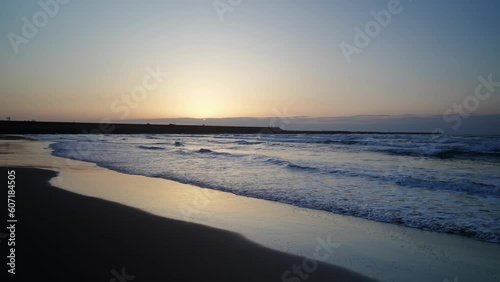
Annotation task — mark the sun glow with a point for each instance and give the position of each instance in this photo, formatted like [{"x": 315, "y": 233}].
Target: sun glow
[
  {"x": 205, "y": 104},
  {"x": 204, "y": 109}
]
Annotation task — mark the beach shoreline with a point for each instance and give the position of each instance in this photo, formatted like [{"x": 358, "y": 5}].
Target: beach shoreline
[
  {"x": 62, "y": 235},
  {"x": 383, "y": 251}
]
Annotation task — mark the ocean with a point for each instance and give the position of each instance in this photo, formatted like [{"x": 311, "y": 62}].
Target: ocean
[{"x": 439, "y": 183}]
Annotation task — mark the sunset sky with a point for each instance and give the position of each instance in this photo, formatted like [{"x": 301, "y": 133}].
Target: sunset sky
[{"x": 260, "y": 57}]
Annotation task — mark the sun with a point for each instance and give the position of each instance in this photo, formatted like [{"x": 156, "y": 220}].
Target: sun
[{"x": 206, "y": 106}]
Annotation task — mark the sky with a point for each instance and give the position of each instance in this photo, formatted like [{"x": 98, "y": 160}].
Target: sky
[{"x": 129, "y": 60}]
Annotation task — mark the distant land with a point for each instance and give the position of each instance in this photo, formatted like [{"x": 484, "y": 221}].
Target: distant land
[
  {"x": 470, "y": 125},
  {"x": 33, "y": 127}
]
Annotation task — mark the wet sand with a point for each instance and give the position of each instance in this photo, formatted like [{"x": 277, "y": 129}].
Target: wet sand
[{"x": 62, "y": 236}]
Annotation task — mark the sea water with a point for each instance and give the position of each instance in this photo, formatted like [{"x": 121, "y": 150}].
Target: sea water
[{"x": 439, "y": 183}]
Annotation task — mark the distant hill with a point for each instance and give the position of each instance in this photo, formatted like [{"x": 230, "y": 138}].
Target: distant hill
[{"x": 32, "y": 127}]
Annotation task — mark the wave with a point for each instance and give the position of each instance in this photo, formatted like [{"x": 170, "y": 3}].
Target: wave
[
  {"x": 341, "y": 142},
  {"x": 215, "y": 153},
  {"x": 231, "y": 141},
  {"x": 453, "y": 153},
  {"x": 287, "y": 164},
  {"x": 387, "y": 215},
  {"x": 352, "y": 176},
  {"x": 465, "y": 186},
  {"x": 294, "y": 166},
  {"x": 244, "y": 142},
  {"x": 412, "y": 146},
  {"x": 151, "y": 137},
  {"x": 469, "y": 187},
  {"x": 150, "y": 148},
  {"x": 252, "y": 158},
  {"x": 442, "y": 153}
]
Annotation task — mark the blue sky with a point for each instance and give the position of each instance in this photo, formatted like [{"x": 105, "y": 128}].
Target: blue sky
[{"x": 263, "y": 56}]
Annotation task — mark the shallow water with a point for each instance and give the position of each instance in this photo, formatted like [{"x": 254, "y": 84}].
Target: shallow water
[{"x": 438, "y": 183}]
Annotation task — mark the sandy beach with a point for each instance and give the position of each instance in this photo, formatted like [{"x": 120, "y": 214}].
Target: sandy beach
[
  {"x": 172, "y": 230},
  {"x": 63, "y": 235},
  {"x": 231, "y": 140}
]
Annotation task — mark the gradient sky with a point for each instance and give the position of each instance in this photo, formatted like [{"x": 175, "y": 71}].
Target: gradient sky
[{"x": 265, "y": 56}]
